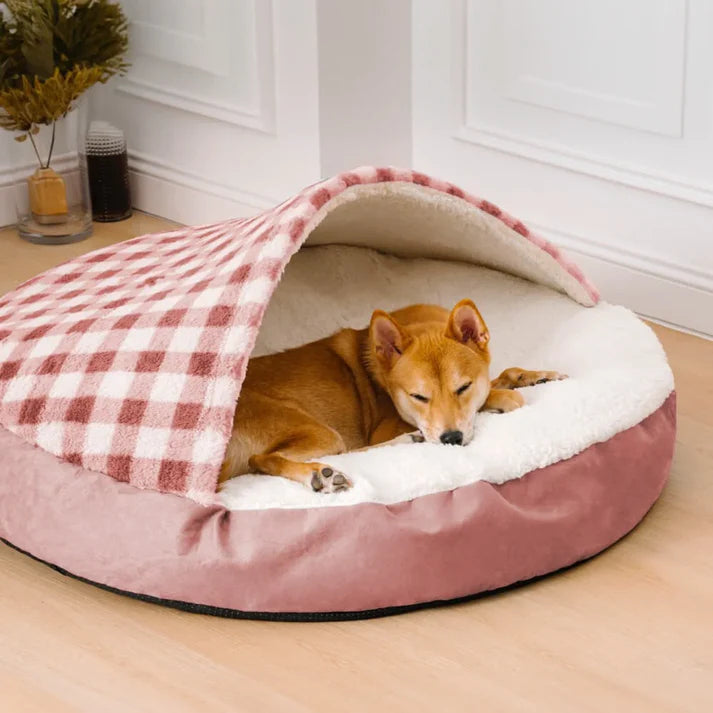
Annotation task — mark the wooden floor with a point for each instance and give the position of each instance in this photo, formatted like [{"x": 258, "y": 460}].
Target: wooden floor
[{"x": 631, "y": 630}]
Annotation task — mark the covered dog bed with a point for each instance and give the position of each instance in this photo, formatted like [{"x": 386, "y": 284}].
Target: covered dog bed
[{"x": 120, "y": 370}]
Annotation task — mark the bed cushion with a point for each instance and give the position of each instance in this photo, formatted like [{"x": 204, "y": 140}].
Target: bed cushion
[{"x": 120, "y": 371}]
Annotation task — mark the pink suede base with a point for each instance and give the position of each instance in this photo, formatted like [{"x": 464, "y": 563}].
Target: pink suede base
[{"x": 369, "y": 556}]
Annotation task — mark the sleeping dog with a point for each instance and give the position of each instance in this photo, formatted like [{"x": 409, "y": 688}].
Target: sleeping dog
[{"x": 420, "y": 367}]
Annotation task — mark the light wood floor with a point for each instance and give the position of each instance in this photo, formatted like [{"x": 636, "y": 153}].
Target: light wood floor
[{"x": 631, "y": 630}]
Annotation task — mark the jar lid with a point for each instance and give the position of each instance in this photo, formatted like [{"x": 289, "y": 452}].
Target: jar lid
[{"x": 104, "y": 138}]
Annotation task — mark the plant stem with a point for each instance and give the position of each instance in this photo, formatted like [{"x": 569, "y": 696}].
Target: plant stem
[
  {"x": 34, "y": 146},
  {"x": 49, "y": 158}
]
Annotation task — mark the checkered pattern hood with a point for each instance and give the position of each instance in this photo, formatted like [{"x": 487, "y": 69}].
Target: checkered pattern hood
[{"x": 129, "y": 360}]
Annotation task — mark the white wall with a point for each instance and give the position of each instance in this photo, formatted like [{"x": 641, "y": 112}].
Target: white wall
[
  {"x": 232, "y": 105},
  {"x": 220, "y": 108},
  {"x": 221, "y": 105},
  {"x": 592, "y": 122},
  {"x": 364, "y": 83}
]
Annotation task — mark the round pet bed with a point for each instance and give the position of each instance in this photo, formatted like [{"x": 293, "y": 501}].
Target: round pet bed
[{"x": 120, "y": 370}]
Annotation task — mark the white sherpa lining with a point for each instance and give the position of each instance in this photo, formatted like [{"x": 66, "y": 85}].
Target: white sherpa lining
[
  {"x": 410, "y": 220},
  {"x": 618, "y": 370}
]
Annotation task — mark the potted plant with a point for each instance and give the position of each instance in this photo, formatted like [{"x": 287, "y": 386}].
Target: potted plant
[{"x": 51, "y": 53}]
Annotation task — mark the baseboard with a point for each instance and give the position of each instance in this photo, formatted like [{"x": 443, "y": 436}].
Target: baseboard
[
  {"x": 679, "y": 328},
  {"x": 166, "y": 190},
  {"x": 159, "y": 188},
  {"x": 658, "y": 289}
]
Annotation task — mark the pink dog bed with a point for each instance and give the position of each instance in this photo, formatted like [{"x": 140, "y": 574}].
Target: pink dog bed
[{"x": 120, "y": 370}]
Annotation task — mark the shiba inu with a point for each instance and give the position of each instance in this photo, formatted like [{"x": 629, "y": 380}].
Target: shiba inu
[{"x": 419, "y": 373}]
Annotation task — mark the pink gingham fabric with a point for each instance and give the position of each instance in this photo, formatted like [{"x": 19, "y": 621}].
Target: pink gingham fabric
[{"x": 129, "y": 360}]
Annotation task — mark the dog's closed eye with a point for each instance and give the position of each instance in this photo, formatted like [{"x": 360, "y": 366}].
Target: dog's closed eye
[
  {"x": 419, "y": 397},
  {"x": 464, "y": 388}
]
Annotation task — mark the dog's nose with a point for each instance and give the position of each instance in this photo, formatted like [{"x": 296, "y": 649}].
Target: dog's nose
[{"x": 452, "y": 438}]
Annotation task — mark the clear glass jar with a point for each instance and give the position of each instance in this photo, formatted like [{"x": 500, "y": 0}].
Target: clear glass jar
[
  {"x": 50, "y": 182},
  {"x": 108, "y": 169}
]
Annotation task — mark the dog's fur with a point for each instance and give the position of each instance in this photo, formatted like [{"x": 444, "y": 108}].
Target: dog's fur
[{"x": 420, "y": 367}]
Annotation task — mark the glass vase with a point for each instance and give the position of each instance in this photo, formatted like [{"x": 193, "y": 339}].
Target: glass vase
[{"x": 50, "y": 181}]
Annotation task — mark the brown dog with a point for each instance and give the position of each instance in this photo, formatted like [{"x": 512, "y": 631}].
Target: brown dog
[{"x": 419, "y": 367}]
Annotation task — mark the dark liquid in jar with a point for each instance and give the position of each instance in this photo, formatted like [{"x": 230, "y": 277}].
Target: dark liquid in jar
[{"x": 109, "y": 186}]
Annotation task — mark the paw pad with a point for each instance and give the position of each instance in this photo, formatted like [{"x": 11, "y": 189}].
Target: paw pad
[{"x": 328, "y": 480}]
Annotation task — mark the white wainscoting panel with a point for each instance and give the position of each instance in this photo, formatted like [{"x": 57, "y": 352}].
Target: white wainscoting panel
[
  {"x": 617, "y": 90},
  {"x": 212, "y": 57},
  {"x": 592, "y": 120},
  {"x": 220, "y": 107},
  {"x": 583, "y": 63}
]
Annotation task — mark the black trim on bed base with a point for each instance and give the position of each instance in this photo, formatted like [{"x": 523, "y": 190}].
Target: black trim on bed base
[{"x": 306, "y": 616}]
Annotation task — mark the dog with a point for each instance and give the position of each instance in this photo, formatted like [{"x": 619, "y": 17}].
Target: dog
[{"x": 417, "y": 374}]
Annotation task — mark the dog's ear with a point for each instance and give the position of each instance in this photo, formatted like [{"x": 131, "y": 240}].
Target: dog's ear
[
  {"x": 466, "y": 326},
  {"x": 388, "y": 339}
]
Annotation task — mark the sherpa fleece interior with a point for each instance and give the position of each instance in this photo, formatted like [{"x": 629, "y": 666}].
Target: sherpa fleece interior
[
  {"x": 409, "y": 220},
  {"x": 618, "y": 370}
]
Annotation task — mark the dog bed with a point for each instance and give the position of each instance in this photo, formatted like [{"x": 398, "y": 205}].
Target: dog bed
[{"x": 120, "y": 370}]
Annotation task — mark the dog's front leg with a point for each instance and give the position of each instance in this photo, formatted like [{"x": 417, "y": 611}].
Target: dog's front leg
[
  {"x": 503, "y": 398},
  {"x": 392, "y": 431},
  {"x": 412, "y": 437},
  {"x": 515, "y": 378}
]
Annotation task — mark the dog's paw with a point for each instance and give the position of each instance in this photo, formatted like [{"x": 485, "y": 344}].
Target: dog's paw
[
  {"x": 542, "y": 377},
  {"x": 505, "y": 402},
  {"x": 532, "y": 378},
  {"x": 516, "y": 378},
  {"x": 327, "y": 480}
]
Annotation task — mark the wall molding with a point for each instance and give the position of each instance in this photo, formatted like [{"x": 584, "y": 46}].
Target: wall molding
[
  {"x": 553, "y": 153},
  {"x": 587, "y": 163},
  {"x": 164, "y": 189},
  {"x": 661, "y": 113},
  {"x": 232, "y": 114},
  {"x": 259, "y": 118},
  {"x": 633, "y": 259},
  {"x": 13, "y": 173},
  {"x": 676, "y": 295},
  {"x": 679, "y": 328}
]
